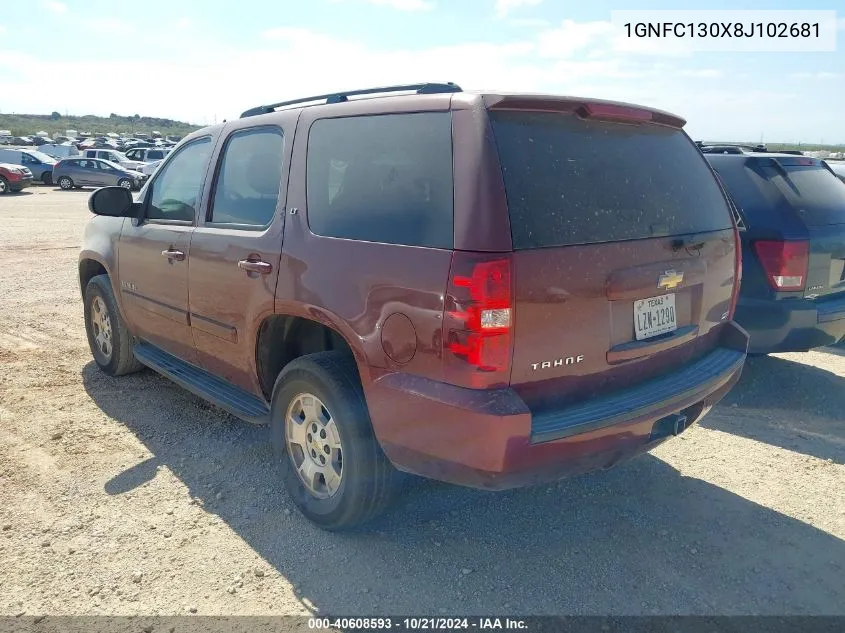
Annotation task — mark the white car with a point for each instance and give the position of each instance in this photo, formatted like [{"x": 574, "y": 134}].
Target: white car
[
  {"x": 149, "y": 168},
  {"x": 113, "y": 156}
]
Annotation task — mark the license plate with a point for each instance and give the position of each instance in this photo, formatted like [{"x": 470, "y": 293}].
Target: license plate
[{"x": 655, "y": 316}]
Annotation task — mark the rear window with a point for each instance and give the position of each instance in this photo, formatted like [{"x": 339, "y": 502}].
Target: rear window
[
  {"x": 382, "y": 178},
  {"x": 571, "y": 181},
  {"x": 817, "y": 195}
]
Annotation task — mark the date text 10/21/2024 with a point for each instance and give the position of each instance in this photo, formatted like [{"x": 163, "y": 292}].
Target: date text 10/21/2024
[{"x": 417, "y": 624}]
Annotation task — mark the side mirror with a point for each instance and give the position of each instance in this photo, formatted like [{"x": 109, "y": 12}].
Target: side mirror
[{"x": 111, "y": 201}]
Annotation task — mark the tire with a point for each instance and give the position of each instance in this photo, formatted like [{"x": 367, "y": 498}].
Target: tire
[
  {"x": 118, "y": 359},
  {"x": 367, "y": 480},
  {"x": 125, "y": 183},
  {"x": 66, "y": 183},
  {"x": 4, "y": 186},
  {"x": 47, "y": 178}
]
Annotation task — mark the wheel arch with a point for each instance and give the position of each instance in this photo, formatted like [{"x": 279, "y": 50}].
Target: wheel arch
[{"x": 282, "y": 338}]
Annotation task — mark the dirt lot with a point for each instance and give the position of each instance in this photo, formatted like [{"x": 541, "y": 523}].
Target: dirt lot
[{"x": 130, "y": 496}]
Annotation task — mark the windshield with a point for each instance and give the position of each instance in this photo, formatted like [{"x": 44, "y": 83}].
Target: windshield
[{"x": 44, "y": 158}]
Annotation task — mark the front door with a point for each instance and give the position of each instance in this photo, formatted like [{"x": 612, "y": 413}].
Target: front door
[
  {"x": 154, "y": 251},
  {"x": 236, "y": 249}
]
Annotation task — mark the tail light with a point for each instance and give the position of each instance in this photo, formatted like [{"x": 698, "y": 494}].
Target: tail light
[
  {"x": 479, "y": 320},
  {"x": 785, "y": 263}
]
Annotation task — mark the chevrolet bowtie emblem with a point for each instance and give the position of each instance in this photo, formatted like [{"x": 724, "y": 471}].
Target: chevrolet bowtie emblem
[{"x": 670, "y": 279}]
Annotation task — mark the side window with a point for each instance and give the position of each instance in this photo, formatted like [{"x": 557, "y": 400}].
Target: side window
[
  {"x": 155, "y": 154},
  {"x": 26, "y": 159},
  {"x": 177, "y": 186},
  {"x": 384, "y": 178},
  {"x": 247, "y": 188},
  {"x": 133, "y": 154}
]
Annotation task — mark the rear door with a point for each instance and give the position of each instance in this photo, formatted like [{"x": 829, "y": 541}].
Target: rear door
[{"x": 624, "y": 251}]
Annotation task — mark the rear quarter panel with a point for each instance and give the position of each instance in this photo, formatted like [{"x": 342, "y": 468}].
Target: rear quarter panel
[{"x": 385, "y": 299}]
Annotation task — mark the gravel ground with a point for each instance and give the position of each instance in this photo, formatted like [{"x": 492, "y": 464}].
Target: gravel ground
[{"x": 130, "y": 496}]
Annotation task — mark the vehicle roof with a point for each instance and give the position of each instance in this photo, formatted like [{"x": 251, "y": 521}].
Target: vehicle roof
[{"x": 464, "y": 100}]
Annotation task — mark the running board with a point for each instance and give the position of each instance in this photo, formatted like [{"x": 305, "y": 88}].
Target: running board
[{"x": 199, "y": 382}]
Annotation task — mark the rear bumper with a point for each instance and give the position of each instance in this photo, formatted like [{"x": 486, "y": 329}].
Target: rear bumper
[
  {"x": 791, "y": 325},
  {"x": 492, "y": 440}
]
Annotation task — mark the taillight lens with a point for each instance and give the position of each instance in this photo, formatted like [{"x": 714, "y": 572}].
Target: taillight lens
[
  {"x": 785, "y": 263},
  {"x": 479, "y": 320}
]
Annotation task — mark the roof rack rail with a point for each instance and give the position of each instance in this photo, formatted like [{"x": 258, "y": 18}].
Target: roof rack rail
[
  {"x": 340, "y": 97},
  {"x": 739, "y": 146}
]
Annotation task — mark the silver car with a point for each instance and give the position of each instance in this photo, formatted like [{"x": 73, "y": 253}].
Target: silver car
[{"x": 94, "y": 172}]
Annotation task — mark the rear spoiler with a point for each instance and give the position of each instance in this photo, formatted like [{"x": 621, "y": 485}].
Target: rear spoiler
[{"x": 597, "y": 109}]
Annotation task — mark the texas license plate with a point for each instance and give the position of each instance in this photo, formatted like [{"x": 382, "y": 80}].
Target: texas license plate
[{"x": 655, "y": 316}]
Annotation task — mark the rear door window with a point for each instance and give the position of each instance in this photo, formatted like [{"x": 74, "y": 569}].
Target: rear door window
[
  {"x": 382, "y": 178},
  {"x": 571, "y": 181},
  {"x": 249, "y": 176}
]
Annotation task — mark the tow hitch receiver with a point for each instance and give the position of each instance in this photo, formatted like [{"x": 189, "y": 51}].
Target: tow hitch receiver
[{"x": 674, "y": 424}]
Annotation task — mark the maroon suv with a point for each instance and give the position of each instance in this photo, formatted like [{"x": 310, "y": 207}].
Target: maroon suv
[{"x": 487, "y": 289}]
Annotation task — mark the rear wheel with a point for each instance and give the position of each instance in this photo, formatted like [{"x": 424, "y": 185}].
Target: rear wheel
[
  {"x": 108, "y": 337},
  {"x": 4, "y": 185},
  {"x": 332, "y": 465},
  {"x": 66, "y": 183},
  {"x": 47, "y": 178}
]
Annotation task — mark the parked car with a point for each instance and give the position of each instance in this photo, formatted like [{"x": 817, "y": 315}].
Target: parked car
[
  {"x": 147, "y": 154},
  {"x": 38, "y": 141},
  {"x": 149, "y": 168},
  {"x": 792, "y": 212},
  {"x": 40, "y": 164},
  {"x": 62, "y": 150},
  {"x": 115, "y": 157},
  {"x": 14, "y": 177},
  {"x": 488, "y": 289},
  {"x": 22, "y": 140},
  {"x": 72, "y": 173}
]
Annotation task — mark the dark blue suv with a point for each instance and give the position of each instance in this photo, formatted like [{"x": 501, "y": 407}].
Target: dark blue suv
[{"x": 791, "y": 212}]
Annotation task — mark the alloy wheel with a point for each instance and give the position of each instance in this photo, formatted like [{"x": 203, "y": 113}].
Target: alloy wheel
[
  {"x": 314, "y": 445},
  {"x": 101, "y": 326}
]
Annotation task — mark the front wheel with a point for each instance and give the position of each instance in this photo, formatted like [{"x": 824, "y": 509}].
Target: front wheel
[
  {"x": 47, "y": 178},
  {"x": 125, "y": 183},
  {"x": 108, "y": 337},
  {"x": 332, "y": 465},
  {"x": 4, "y": 185},
  {"x": 66, "y": 183}
]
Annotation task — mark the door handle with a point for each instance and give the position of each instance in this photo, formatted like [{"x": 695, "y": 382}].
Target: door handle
[
  {"x": 252, "y": 266},
  {"x": 173, "y": 254}
]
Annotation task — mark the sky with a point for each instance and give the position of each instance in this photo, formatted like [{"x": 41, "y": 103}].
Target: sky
[{"x": 207, "y": 60}]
